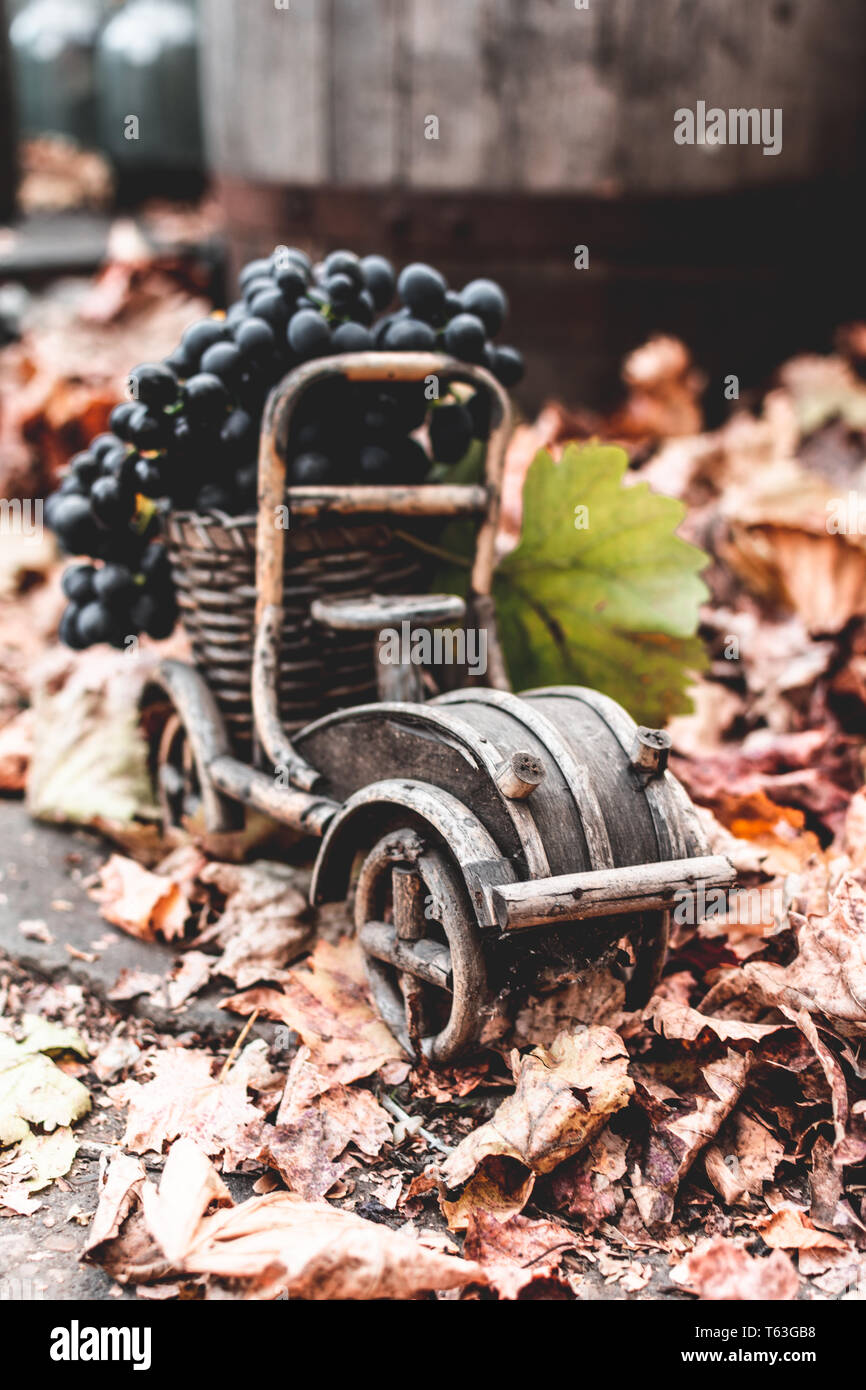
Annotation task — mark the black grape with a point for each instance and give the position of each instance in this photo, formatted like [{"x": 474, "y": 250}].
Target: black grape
[
  {"x": 422, "y": 288},
  {"x": 344, "y": 263},
  {"x": 410, "y": 335},
  {"x": 213, "y": 498},
  {"x": 206, "y": 399},
  {"x": 148, "y": 478},
  {"x": 110, "y": 502},
  {"x": 270, "y": 306},
  {"x": 153, "y": 384},
  {"x": 114, "y": 586},
  {"x": 77, "y": 583},
  {"x": 68, "y": 630},
  {"x": 74, "y": 524},
  {"x": 253, "y": 269},
  {"x": 450, "y": 432},
  {"x": 375, "y": 464},
  {"x": 94, "y": 623},
  {"x": 411, "y": 462},
  {"x": 464, "y": 338},
  {"x": 352, "y": 337},
  {"x": 101, "y": 445},
  {"x": 309, "y": 335},
  {"x": 311, "y": 470},
  {"x": 202, "y": 335},
  {"x": 147, "y": 429},
  {"x": 379, "y": 278},
  {"x": 508, "y": 366},
  {"x": 485, "y": 299},
  {"x": 256, "y": 339},
  {"x": 119, "y": 418},
  {"x": 224, "y": 360}
]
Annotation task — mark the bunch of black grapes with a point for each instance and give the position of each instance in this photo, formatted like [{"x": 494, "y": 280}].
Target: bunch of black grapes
[{"x": 188, "y": 437}]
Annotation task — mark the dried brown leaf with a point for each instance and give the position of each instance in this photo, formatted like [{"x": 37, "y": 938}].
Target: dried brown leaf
[
  {"x": 317, "y": 1122},
  {"x": 723, "y": 1270},
  {"x": 516, "y": 1252},
  {"x": 145, "y": 904},
  {"x": 278, "y": 1243},
  {"x": 184, "y": 1099},
  {"x": 326, "y": 1001},
  {"x": 563, "y": 1096}
]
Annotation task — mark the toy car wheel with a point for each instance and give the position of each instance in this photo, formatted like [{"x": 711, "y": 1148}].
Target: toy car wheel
[
  {"x": 185, "y": 734},
  {"x": 422, "y": 946},
  {"x": 177, "y": 783}
]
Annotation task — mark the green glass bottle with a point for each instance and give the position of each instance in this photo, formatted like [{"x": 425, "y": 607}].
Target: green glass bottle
[
  {"x": 53, "y": 45},
  {"x": 147, "y": 75}
]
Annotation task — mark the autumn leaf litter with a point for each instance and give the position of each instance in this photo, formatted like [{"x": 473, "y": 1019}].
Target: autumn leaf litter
[{"x": 719, "y": 1137}]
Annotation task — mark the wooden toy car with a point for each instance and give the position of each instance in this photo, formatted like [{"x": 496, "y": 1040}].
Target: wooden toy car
[{"x": 494, "y": 839}]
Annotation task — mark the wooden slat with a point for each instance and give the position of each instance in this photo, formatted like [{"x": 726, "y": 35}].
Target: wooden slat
[
  {"x": 538, "y": 97},
  {"x": 665, "y": 807},
  {"x": 576, "y": 776},
  {"x": 265, "y": 77},
  {"x": 363, "y": 95}
]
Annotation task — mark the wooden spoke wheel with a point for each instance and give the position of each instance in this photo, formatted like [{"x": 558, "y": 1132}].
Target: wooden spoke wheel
[
  {"x": 177, "y": 781},
  {"x": 422, "y": 946}
]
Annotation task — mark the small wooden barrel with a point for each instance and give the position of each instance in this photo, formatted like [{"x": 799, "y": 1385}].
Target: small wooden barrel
[{"x": 591, "y": 810}]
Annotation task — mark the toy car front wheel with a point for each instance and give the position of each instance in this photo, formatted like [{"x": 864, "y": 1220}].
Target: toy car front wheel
[{"x": 422, "y": 946}]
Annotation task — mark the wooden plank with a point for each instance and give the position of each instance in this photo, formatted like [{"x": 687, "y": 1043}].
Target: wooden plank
[
  {"x": 265, "y": 77},
  {"x": 664, "y": 807},
  {"x": 429, "y": 744},
  {"x": 432, "y": 499},
  {"x": 608, "y": 892},
  {"x": 364, "y": 90},
  {"x": 445, "y": 81},
  {"x": 538, "y": 98}
]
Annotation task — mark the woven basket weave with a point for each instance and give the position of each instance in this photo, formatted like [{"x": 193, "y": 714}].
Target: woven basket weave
[{"x": 213, "y": 559}]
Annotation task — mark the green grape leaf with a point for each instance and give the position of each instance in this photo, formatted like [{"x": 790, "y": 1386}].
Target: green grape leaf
[{"x": 599, "y": 590}]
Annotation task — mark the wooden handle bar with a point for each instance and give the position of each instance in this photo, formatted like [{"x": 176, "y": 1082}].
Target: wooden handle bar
[
  {"x": 273, "y": 495},
  {"x": 543, "y": 902}
]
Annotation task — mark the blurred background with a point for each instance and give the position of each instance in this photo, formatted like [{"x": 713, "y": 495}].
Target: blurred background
[{"x": 157, "y": 144}]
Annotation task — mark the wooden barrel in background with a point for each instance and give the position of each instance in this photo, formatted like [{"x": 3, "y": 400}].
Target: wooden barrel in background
[{"x": 556, "y": 129}]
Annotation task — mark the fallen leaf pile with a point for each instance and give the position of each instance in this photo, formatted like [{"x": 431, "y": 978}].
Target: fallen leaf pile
[{"x": 712, "y": 1146}]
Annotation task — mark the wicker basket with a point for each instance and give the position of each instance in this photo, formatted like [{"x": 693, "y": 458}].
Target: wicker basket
[{"x": 213, "y": 560}]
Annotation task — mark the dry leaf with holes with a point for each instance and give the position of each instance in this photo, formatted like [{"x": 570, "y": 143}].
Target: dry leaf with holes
[
  {"x": 499, "y": 1186},
  {"x": 745, "y": 1158},
  {"x": 316, "y": 1123},
  {"x": 679, "y": 1127},
  {"x": 828, "y": 975},
  {"x": 680, "y": 1022}
]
